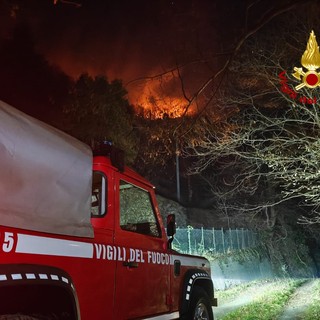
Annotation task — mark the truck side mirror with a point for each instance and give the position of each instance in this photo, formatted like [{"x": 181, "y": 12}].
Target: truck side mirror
[
  {"x": 171, "y": 225},
  {"x": 171, "y": 228}
]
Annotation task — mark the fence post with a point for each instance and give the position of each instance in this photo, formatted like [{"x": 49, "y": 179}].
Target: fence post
[
  {"x": 189, "y": 238},
  {"x": 202, "y": 239},
  {"x": 238, "y": 242},
  {"x": 214, "y": 241},
  {"x": 253, "y": 239},
  {"x": 230, "y": 240},
  {"x": 242, "y": 239},
  {"x": 223, "y": 244}
]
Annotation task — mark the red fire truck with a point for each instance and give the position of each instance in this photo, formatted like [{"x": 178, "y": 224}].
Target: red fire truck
[{"x": 81, "y": 236}]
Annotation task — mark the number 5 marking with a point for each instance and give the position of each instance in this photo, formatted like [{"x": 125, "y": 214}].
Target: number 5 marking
[{"x": 8, "y": 242}]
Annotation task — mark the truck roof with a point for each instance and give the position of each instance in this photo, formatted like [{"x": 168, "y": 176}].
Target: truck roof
[{"x": 45, "y": 176}]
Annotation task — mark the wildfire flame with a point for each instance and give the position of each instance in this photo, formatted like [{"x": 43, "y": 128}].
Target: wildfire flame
[
  {"x": 155, "y": 107},
  {"x": 311, "y": 57},
  {"x": 158, "y": 99}
]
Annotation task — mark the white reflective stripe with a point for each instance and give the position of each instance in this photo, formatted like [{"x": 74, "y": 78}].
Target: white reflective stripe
[
  {"x": 53, "y": 247},
  {"x": 64, "y": 279},
  {"x": 174, "y": 315}
]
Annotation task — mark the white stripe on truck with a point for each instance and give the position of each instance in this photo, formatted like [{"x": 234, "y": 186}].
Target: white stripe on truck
[
  {"x": 31, "y": 244},
  {"x": 53, "y": 247},
  {"x": 174, "y": 315}
]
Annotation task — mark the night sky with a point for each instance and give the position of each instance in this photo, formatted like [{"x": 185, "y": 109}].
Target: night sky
[{"x": 123, "y": 39}]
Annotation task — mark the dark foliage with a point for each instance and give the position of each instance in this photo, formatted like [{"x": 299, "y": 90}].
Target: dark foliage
[{"x": 40, "y": 90}]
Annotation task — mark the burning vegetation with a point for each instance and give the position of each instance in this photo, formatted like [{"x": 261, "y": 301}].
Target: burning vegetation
[{"x": 160, "y": 98}]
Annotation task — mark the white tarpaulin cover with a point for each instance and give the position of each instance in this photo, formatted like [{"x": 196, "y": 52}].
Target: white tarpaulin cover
[{"x": 45, "y": 177}]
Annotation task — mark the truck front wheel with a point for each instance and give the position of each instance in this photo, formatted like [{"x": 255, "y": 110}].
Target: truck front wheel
[{"x": 200, "y": 306}]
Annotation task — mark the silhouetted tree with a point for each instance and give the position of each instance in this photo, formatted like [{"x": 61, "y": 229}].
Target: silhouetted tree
[
  {"x": 267, "y": 151},
  {"x": 98, "y": 110}
]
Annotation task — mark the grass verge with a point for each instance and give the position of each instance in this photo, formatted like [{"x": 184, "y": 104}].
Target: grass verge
[
  {"x": 268, "y": 306},
  {"x": 236, "y": 291},
  {"x": 313, "y": 310}
]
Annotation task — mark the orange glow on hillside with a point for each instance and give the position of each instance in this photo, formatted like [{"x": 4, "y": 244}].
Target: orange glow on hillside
[
  {"x": 158, "y": 99},
  {"x": 153, "y": 98}
]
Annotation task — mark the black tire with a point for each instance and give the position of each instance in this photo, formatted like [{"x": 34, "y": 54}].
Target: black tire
[{"x": 200, "y": 306}]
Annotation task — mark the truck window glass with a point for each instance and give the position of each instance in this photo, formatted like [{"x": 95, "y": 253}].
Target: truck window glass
[
  {"x": 98, "y": 196},
  {"x": 136, "y": 211}
]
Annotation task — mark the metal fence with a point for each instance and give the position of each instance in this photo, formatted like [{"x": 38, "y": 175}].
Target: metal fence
[{"x": 199, "y": 241}]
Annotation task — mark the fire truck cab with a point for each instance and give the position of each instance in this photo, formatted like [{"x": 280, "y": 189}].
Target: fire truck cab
[{"x": 81, "y": 236}]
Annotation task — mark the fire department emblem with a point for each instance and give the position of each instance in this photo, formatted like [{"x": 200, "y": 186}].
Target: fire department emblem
[{"x": 310, "y": 60}]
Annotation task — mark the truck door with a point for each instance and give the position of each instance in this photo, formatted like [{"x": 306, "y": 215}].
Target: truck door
[
  {"x": 99, "y": 301},
  {"x": 142, "y": 272}
]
